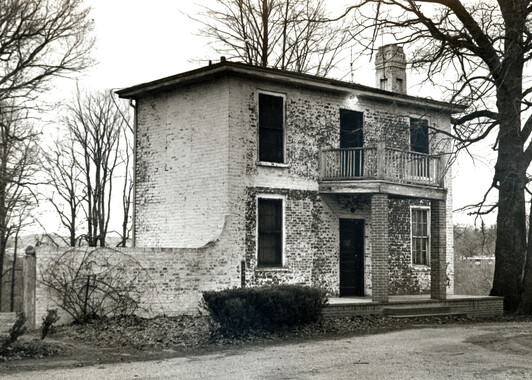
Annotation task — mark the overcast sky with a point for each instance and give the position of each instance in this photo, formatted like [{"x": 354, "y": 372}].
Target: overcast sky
[{"x": 140, "y": 41}]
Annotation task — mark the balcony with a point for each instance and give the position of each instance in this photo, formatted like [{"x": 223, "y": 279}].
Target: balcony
[{"x": 382, "y": 169}]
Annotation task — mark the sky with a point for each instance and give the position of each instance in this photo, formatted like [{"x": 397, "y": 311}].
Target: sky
[{"x": 138, "y": 41}]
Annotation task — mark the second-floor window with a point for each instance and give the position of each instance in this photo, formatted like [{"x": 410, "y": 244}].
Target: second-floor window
[
  {"x": 420, "y": 236},
  {"x": 271, "y": 128},
  {"x": 419, "y": 135}
]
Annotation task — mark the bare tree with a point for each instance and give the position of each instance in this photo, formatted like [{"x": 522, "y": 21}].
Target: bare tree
[
  {"x": 63, "y": 173},
  {"x": 84, "y": 167},
  {"x": 40, "y": 40},
  {"x": 127, "y": 158},
  {"x": 480, "y": 50},
  {"x": 18, "y": 165},
  {"x": 284, "y": 34}
]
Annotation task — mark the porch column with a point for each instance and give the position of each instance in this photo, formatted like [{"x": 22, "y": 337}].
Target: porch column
[
  {"x": 379, "y": 247},
  {"x": 438, "y": 250}
]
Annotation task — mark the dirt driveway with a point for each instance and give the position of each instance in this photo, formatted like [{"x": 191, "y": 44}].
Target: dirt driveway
[{"x": 484, "y": 351}]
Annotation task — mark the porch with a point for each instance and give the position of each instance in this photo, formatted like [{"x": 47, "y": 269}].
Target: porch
[
  {"x": 380, "y": 169},
  {"x": 415, "y": 305}
]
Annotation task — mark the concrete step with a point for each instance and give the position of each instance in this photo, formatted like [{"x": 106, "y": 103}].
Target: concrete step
[
  {"x": 427, "y": 315},
  {"x": 6, "y": 322},
  {"x": 407, "y": 310}
]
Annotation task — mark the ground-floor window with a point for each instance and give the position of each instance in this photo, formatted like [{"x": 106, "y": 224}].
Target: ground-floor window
[
  {"x": 270, "y": 232},
  {"x": 420, "y": 236}
]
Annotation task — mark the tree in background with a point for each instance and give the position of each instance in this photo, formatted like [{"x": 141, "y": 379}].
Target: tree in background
[
  {"x": 83, "y": 168},
  {"x": 63, "y": 173},
  {"x": 283, "y": 34},
  {"x": 474, "y": 251},
  {"x": 479, "y": 50},
  {"x": 40, "y": 40},
  {"x": 18, "y": 165},
  {"x": 471, "y": 241}
]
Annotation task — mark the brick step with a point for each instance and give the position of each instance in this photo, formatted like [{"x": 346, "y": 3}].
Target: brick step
[
  {"x": 416, "y": 310},
  {"x": 6, "y": 321},
  {"x": 427, "y": 315}
]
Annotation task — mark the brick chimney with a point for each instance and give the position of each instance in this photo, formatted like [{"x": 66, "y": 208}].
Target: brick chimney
[{"x": 390, "y": 68}]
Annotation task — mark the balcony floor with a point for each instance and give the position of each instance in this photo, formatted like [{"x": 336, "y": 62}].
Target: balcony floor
[{"x": 383, "y": 187}]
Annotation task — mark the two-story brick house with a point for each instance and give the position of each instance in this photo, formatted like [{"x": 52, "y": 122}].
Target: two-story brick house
[{"x": 298, "y": 179}]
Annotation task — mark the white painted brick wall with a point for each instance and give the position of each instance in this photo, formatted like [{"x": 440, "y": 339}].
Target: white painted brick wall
[{"x": 182, "y": 166}]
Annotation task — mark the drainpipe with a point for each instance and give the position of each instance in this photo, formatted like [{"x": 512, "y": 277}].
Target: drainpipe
[{"x": 133, "y": 104}]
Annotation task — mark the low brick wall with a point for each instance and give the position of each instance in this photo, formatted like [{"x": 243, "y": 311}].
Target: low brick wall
[
  {"x": 171, "y": 280},
  {"x": 471, "y": 306},
  {"x": 6, "y": 322}
]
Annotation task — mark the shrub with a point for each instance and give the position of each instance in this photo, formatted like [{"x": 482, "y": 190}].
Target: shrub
[
  {"x": 94, "y": 282},
  {"x": 237, "y": 311},
  {"x": 18, "y": 328},
  {"x": 48, "y": 322}
]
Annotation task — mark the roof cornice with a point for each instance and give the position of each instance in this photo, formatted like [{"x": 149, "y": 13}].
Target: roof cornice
[{"x": 285, "y": 77}]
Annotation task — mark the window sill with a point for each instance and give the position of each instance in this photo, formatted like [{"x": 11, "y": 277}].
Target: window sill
[
  {"x": 272, "y": 269},
  {"x": 272, "y": 164},
  {"x": 421, "y": 268}
]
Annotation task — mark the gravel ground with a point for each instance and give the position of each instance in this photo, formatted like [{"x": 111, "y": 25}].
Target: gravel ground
[{"x": 465, "y": 351}]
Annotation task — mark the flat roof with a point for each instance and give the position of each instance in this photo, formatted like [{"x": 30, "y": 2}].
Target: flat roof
[{"x": 224, "y": 68}]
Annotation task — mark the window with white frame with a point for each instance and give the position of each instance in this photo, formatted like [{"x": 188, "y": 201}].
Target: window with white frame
[
  {"x": 270, "y": 232},
  {"x": 420, "y": 236},
  {"x": 271, "y": 128}
]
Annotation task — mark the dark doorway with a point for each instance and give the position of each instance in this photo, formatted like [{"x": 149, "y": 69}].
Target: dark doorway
[
  {"x": 351, "y": 136},
  {"x": 351, "y": 257}
]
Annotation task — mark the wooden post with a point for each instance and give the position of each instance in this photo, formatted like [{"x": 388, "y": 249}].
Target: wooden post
[
  {"x": 381, "y": 160},
  {"x": 440, "y": 166},
  {"x": 29, "y": 273}
]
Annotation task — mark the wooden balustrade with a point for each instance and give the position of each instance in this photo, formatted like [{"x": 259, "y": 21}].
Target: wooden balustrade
[{"x": 380, "y": 163}]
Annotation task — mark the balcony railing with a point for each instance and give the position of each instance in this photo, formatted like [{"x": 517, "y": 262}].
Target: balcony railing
[{"x": 380, "y": 163}]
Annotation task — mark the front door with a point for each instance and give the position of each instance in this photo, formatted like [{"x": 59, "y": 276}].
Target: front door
[{"x": 351, "y": 257}]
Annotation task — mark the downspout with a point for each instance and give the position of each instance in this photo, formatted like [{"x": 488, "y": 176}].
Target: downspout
[{"x": 133, "y": 104}]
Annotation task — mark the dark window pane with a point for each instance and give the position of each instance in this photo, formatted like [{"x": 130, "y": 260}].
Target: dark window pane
[
  {"x": 419, "y": 135},
  {"x": 351, "y": 129},
  {"x": 271, "y": 145},
  {"x": 270, "y": 232}
]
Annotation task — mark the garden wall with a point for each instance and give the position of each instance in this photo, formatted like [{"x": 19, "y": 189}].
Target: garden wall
[{"x": 170, "y": 280}]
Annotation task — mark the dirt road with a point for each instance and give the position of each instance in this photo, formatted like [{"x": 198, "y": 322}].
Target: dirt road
[{"x": 489, "y": 351}]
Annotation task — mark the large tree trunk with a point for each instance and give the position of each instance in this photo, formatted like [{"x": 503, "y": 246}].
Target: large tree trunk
[{"x": 510, "y": 175}]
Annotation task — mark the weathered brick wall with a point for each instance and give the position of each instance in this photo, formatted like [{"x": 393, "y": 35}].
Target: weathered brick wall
[
  {"x": 312, "y": 121},
  {"x": 182, "y": 180},
  {"x": 405, "y": 278},
  {"x": 311, "y": 254},
  {"x": 171, "y": 280}
]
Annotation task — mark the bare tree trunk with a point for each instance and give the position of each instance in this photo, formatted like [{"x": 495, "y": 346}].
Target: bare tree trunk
[
  {"x": 265, "y": 32},
  {"x": 13, "y": 277},
  {"x": 510, "y": 174}
]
